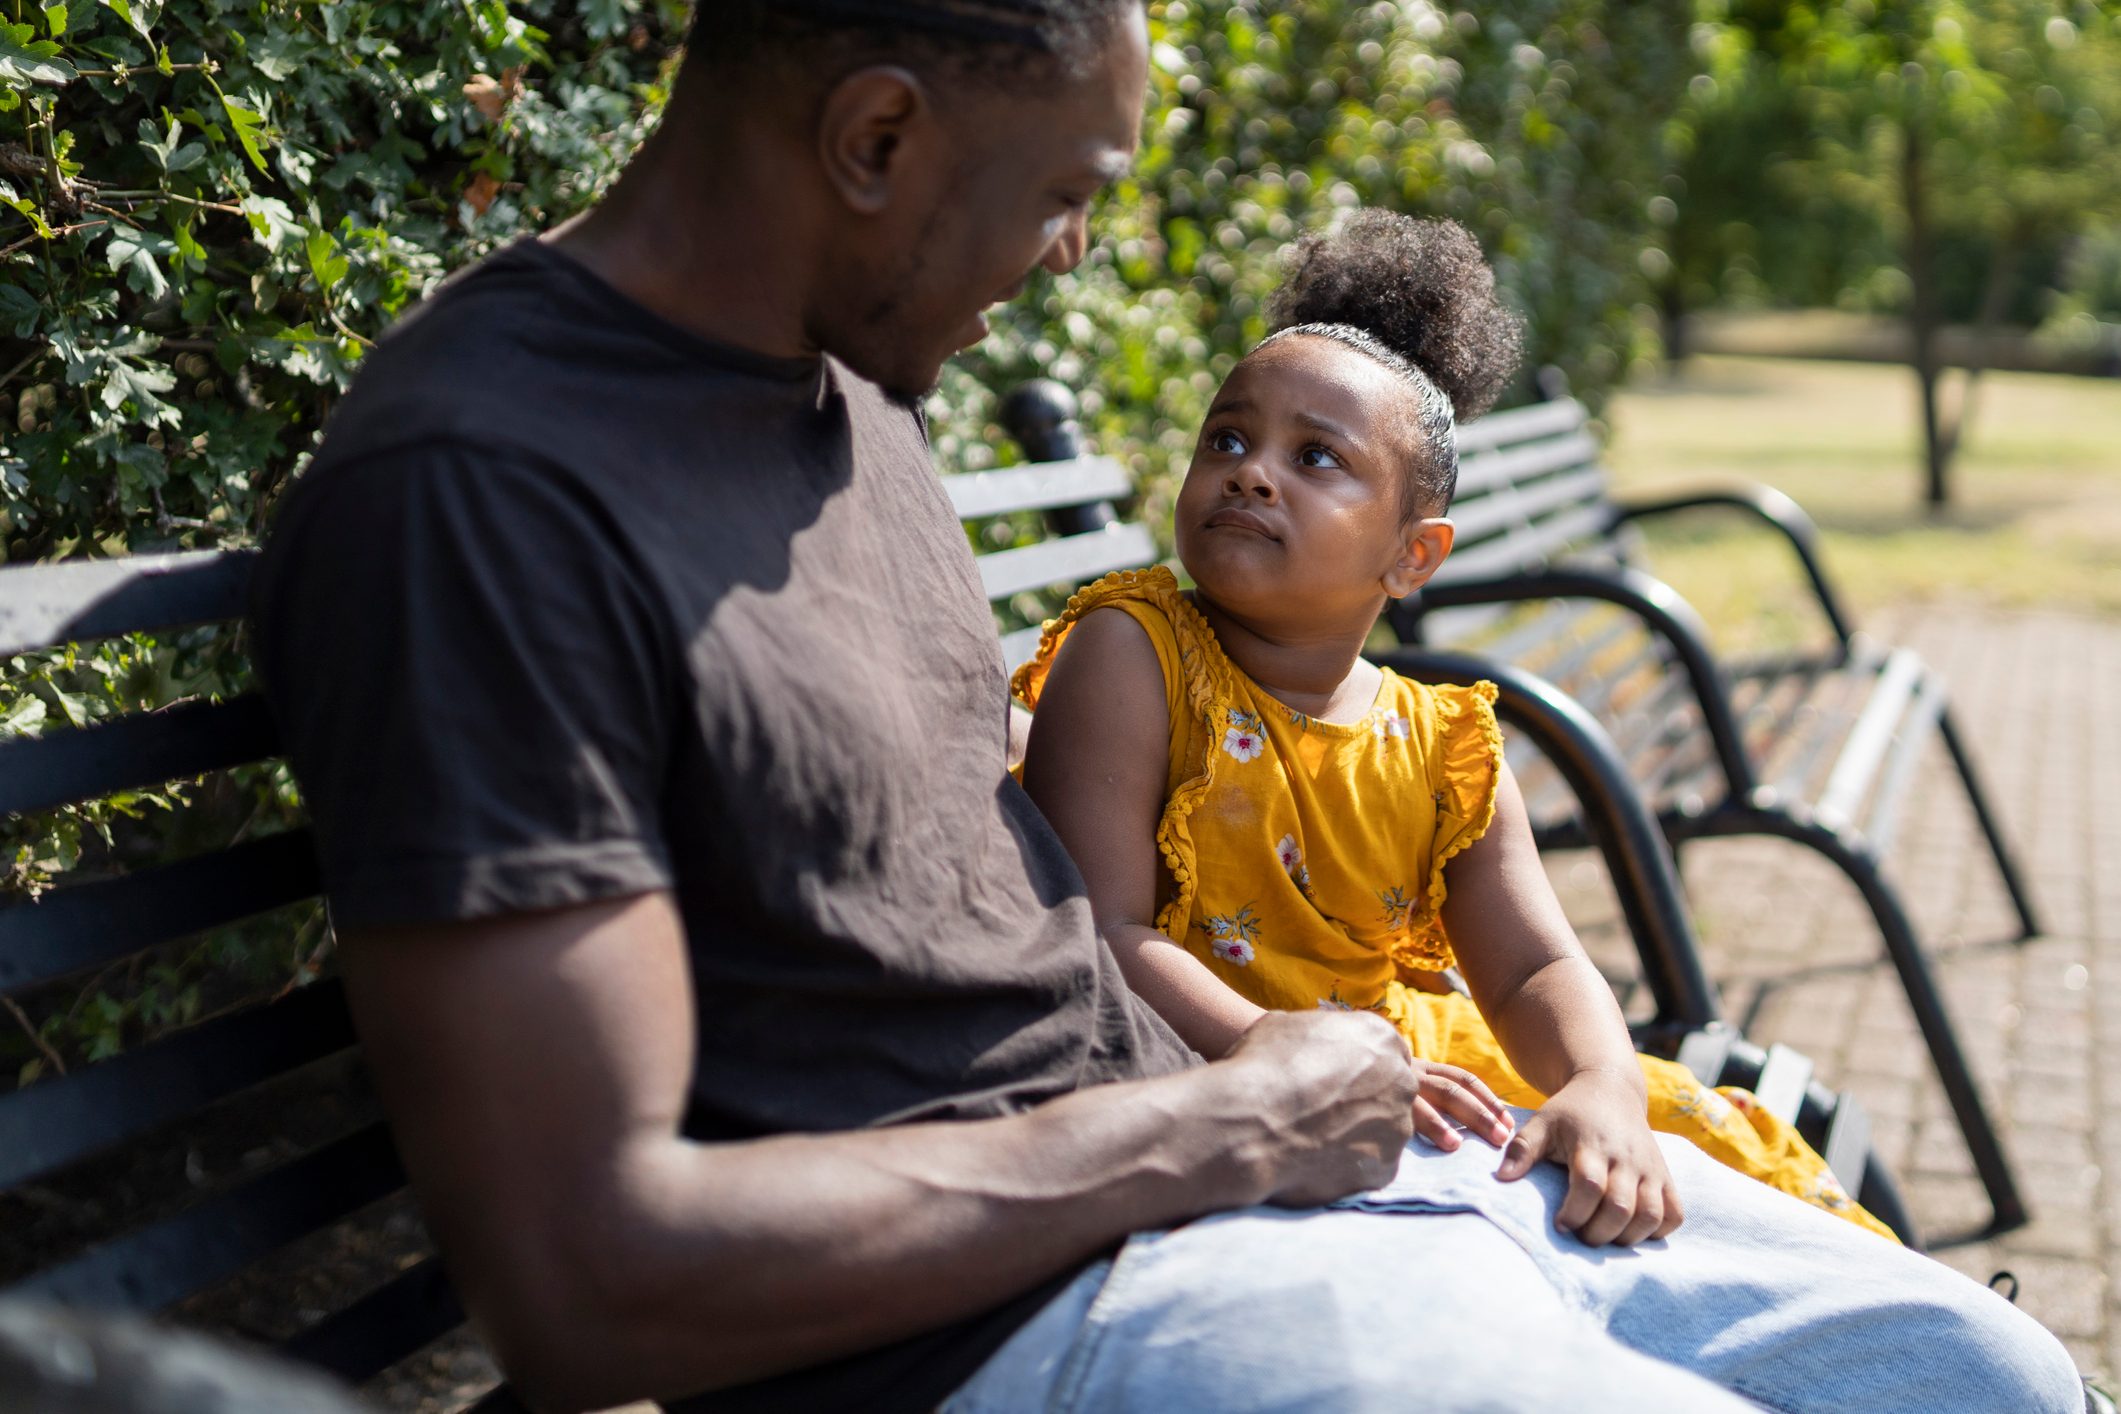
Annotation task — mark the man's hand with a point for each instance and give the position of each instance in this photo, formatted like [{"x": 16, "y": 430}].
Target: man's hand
[
  {"x": 1619, "y": 1189},
  {"x": 1335, "y": 1093}
]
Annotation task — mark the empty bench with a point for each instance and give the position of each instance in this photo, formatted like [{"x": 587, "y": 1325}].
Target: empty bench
[{"x": 1818, "y": 747}]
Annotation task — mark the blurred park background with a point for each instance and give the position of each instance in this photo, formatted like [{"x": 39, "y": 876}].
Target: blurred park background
[{"x": 1868, "y": 252}]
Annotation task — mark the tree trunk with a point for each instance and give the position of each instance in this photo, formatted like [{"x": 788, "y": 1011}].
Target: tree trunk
[
  {"x": 1671, "y": 307},
  {"x": 1920, "y": 258},
  {"x": 1995, "y": 299}
]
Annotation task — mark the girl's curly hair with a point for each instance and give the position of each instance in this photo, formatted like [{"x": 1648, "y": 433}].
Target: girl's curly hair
[{"x": 1418, "y": 297}]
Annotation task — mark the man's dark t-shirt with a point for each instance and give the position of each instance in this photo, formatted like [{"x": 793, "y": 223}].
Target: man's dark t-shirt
[{"x": 573, "y": 604}]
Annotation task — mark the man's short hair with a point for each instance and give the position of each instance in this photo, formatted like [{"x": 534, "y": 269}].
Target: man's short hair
[{"x": 975, "y": 39}]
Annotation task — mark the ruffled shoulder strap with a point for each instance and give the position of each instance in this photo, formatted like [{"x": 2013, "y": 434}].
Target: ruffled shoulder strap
[
  {"x": 1195, "y": 671},
  {"x": 1464, "y": 748},
  {"x": 1199, "y": 685}
]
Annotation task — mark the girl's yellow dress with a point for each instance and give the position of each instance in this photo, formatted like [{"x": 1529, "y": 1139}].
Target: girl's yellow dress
[{"x": 1305, "y": 863}]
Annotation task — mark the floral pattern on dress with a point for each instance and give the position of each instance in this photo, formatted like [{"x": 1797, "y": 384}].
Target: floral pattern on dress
[
  {"x": 1701, "y": 1103},
  {"x": 1291, "y": 855},
  {"x": 1233, "y": 936},
  {"x": 1246, "y": 736},
  {"x": 1398, "y": 907},
  {"x": 1390, "y": 726},
  {"x": 1826, "y": 1191}
]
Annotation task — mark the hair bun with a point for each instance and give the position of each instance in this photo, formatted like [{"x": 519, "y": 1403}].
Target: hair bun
[{"x": 1421, "y": 288}]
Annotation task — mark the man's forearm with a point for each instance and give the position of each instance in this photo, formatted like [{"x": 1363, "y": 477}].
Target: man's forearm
[{"x": 716, "y": 1264}]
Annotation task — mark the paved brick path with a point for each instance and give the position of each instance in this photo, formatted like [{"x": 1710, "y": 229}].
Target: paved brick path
[{"x": 2039, "y": 697}]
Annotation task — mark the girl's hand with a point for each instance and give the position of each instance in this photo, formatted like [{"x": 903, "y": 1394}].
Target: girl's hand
[
  {"x": 1445, "y": 1090},
  {"x": 1619, "y": 1189}
]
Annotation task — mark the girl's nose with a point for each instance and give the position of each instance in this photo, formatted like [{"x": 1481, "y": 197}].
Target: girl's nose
[{"x": 1247, "y": 480}]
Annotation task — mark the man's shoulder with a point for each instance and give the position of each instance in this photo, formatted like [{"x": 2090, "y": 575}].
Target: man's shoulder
[{"x": 484, "y": 356}]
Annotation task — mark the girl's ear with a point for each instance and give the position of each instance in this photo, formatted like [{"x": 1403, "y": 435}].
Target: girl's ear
[{"x": 1428, "y": 541}]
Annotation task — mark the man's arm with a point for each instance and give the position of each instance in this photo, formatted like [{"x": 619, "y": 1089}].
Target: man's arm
[{"x": 535, "y": 1068}]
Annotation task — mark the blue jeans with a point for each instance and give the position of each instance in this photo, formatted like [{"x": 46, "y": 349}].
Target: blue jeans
[{"x": 1448, "y": 1291}]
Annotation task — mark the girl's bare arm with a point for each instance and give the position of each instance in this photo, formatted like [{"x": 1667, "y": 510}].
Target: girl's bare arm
[
  {"x": 1561, "y": 1028},
  {"x": 1096, "y": 765},
  {"x": 1547, "y": 1004}
]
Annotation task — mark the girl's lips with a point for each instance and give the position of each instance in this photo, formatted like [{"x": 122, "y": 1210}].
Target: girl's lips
[{"x": 1238, "y": 519}]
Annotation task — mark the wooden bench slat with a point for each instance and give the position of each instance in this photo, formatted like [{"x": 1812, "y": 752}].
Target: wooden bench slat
[
  {"x": 1521, "y": 425},
  {"x": 1847, "y": 1150},
  {"x": 1490, "y": 515},
  {"x": 129, "y": 753},
  {"x": 51, "y": 1124},
  {"x": 1893, "y": 781},
  {"x": 407, "y": 1313},
  {"x": 1780, "y": 1088},
  {"x": 1482, "y": 477},
  {"x": 975, "y": 495},
  {"x": 1068, "y": 560},
  {"x": 42, "y": 606},
  {"x": 1864, "y": 751},
  {"x": 92, "y": 924},
  {"x": 1535, "y": 549},
  {"x": 167, "y": 1261}
]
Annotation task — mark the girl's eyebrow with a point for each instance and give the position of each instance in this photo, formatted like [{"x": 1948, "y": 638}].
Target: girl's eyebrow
[{"x": 1309, "y": 419}]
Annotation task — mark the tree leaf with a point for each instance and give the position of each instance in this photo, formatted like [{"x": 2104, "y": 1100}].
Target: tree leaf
[
  {"x": 133, "y": 251},
  {"x": 249, "y": 127},
  {"x": 325, "y": 262},
  {"x": 18, "y": 309},
  {"x": 36, "y": 218},
  {"x": 26, "y": 59}
]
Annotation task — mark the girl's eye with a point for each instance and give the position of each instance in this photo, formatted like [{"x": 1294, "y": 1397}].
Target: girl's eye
[
  {"x": 1226, "y": 441},
  {"x": 1317, "y": 456}
]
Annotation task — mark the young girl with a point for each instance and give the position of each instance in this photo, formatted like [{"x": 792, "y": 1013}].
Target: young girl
[{"x": 1266, "y": 820}]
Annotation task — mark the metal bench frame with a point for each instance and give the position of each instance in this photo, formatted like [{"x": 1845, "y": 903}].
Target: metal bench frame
[{"x": 1541, "y": 526}]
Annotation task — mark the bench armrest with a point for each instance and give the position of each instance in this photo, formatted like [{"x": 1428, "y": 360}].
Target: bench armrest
[
  {"x": 1645, "y": 879},
  {"x": 1662, "y": 611},
  {"x": 1771, "y": 506}
]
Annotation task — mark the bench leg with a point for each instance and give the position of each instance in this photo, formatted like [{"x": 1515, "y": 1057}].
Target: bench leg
[
  {"x": 2021, "y": 899},
  {"x": 1920, "y": 984}
]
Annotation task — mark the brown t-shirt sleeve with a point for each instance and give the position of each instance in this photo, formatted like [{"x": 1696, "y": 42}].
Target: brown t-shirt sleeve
[{"x": 470, "y": 682}]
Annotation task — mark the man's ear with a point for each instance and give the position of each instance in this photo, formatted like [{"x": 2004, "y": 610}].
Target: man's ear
[
  {"x": 872, "y": 122},
  {"x": 1428, "y": 541}
]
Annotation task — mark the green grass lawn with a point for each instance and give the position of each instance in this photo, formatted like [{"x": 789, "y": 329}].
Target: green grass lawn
[{"x": 2036, "y": 513}]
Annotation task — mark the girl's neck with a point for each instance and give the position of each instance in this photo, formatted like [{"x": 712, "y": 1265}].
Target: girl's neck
[{"x": 1317, "y": 670}]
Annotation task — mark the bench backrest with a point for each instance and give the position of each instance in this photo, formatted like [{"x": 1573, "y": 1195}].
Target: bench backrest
[
  {"x": 260, "y": 1111},
  {"x": 1531, "y": 491}
]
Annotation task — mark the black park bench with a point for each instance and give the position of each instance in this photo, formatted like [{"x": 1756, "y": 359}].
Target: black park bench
[
  {"x": 236, "y": 1175},
  {"x": 1817, "y": 746}
]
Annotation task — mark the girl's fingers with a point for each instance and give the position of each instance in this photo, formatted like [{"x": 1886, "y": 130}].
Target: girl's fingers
[
  {"x": 1434, "y": 1127},
  {"x": 1674, "y": 1214},
  {"x": 1461, "y": 1095},
  {"x": 1616, "y": 1209},
  {"x": 1526, "y": 1149},
  {"x": 1587, "y": 1175},
  {"x": 1649, "y": 1214}
]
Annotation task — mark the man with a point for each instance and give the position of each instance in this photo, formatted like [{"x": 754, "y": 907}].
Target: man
[{"x": 743, "y": 1027}]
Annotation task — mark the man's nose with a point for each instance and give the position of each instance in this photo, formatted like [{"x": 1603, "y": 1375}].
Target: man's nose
[{"x": 1068, "y": 247}]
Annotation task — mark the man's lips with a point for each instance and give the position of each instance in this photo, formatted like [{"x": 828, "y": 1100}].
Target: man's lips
[{"x": 1239, "y": 519}]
